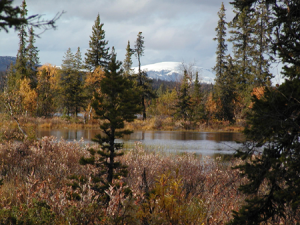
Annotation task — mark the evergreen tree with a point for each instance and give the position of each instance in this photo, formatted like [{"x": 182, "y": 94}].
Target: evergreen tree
[
  {"x": 97, "y": 54},
  {"x": 228, "y": 91},
  {"x": 262, "y": 44},
  {"x": 21, "y": 61},
  {"x": 183, "y": 106},
  {"x": 143, "y": 82},
  {"x": 117, "y": 103},
  {"x": 242, "y": 28},
  {"x": 128, "y": 61},
  {"x": 78, "y": 60},
  {"x": 224, "y": 76},
  {"x": 71, "y": 94},
  {"x": 197, "y": 101},
  {"x": 32, "y": 59},
  {"x": 139, "y": 50},
  {"x": 273, "y": 186},
  {"x": 222, "y": 46}
]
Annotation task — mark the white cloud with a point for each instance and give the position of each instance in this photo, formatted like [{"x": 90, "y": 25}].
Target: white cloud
[{"x": 174, "y": 30}]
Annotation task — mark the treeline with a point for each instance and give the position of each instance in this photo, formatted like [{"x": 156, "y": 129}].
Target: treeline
[
  {"x": 43, "y": 91},
  {"x": 245, "y": 71}
]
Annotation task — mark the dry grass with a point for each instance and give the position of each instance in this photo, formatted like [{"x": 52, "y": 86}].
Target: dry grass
[{"x": 39, "y": 171}]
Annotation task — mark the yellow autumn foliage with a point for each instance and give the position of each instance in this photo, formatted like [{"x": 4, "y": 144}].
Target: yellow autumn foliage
[{"x": 29, "y": 96}]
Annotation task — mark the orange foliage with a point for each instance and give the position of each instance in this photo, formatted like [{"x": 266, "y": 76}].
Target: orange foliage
[
  {"x": 93, "y": 79},
  {"x": 29, "y": 96},
  {"x": 258, "y": 92},
  {"x": 52, "y": 75}
]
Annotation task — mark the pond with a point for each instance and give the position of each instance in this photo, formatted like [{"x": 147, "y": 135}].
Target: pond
[{"x": 203, "y": 143}]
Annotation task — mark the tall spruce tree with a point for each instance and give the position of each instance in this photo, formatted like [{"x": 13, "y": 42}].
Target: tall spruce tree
[
  {"x": 242, "y": 28},
  {"x": 97, "y": 54},
  {"x": 127, "y": 64},
  {"x": 262, "y": 43},
  {"x": 142, "y": 79},
  {"x": 223, "y": 80},
  {"x": 222, "y": 46},
  {"x": 117, "y": 103},
  {"x": 183, "y": 106},
  {"x": 273, "y": 186},
  {"x": 21, "y": 61},
  {"x": 71, "y": 95},
  {"x": 197, "y": 101},
  {"x": 32, "y": 59}
]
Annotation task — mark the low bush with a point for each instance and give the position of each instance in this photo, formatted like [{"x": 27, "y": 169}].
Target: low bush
[{"x": 165, "y": 188}]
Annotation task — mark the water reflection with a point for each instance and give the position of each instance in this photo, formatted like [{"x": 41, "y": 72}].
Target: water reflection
[{"x": 204, "y": 143}]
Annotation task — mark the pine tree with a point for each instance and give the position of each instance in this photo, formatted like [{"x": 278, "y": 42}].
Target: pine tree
[
  {"x": 32, "y": 59},
  {"x": 117, "y": 103},
  {"x": 273, "y": 186},
  {"x": 21, "y": 61},
  {"x": 197, "y": 101},
  {"x": 241, "y": 32},
  {"x": 97, "y": 54},
  {"x": 128, "y": 61},
  {"x": 224, "y": 86},
  {"x": 183, "y": 106},
  {"x": 71, "y": 94},
  {"x": 228, "y": 93},
  {"x": 139, "y": 50},
  {"x": 222, "y": 46},
  {"x": 262, "y": 44},
  {"x": 143, "y": 82},
  {"x": 78, "y": 60}
]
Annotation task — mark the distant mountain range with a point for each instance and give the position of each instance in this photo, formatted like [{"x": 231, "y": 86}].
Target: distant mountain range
[
  {"x": 173, "y": 71},
  {"x": 169, "y": 71},
  {"x": 5, "y": 62}
]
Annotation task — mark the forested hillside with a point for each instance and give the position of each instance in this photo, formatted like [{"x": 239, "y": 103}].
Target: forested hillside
[{"x": 5, "y": 62}]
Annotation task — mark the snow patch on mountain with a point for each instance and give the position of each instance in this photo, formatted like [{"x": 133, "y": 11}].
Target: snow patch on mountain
[{"x": 173, "y": 71}]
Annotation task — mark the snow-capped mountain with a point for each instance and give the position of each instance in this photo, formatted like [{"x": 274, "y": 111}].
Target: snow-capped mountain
[{"x": 173, "y": 71}]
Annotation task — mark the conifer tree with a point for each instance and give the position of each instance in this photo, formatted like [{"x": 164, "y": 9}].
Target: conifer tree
[
  {"x": 222, "y": 46},
  {"x": 32, "y": 59},
  {"x": 97, "y": 54},
  {"x": 241, "y": 32},
  {"x": 21, "y": 61},
  {"x": 71, "y": 94},
  {"x": 139, "y": 50},
  {"x": 143, "y": 82},
  {"x": 262, "y": 43},
  {"x": 128, "y": 61},
  {"x": 117, "y": 103},
  {"x": 228, "y": 92},
  {"x": 224, "y": 79},
  {"x": 197, "y": 101},
  {"x": 183, "y": 106},
  {"x": 273, "y": 186}
]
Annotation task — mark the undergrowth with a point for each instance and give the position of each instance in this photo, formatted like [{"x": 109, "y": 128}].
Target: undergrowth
[{"x": 165, "y": 188}]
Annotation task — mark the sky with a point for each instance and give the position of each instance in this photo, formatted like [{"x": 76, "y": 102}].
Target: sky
[{"x": 173, "y": 30}]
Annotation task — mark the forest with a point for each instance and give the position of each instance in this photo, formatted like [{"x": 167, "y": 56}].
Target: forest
[{"x": 50, "y": 181}]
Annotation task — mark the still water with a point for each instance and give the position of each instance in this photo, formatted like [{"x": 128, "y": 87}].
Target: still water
[{"x": 202, "y": 143}]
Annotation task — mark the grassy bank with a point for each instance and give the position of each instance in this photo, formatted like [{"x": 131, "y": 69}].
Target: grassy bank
[
  {"x": 154, "y": 123},
  {"x": 166, "y": 188}
]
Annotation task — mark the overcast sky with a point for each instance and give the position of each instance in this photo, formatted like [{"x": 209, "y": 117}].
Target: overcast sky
[{"x": 173, "y": 30}]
